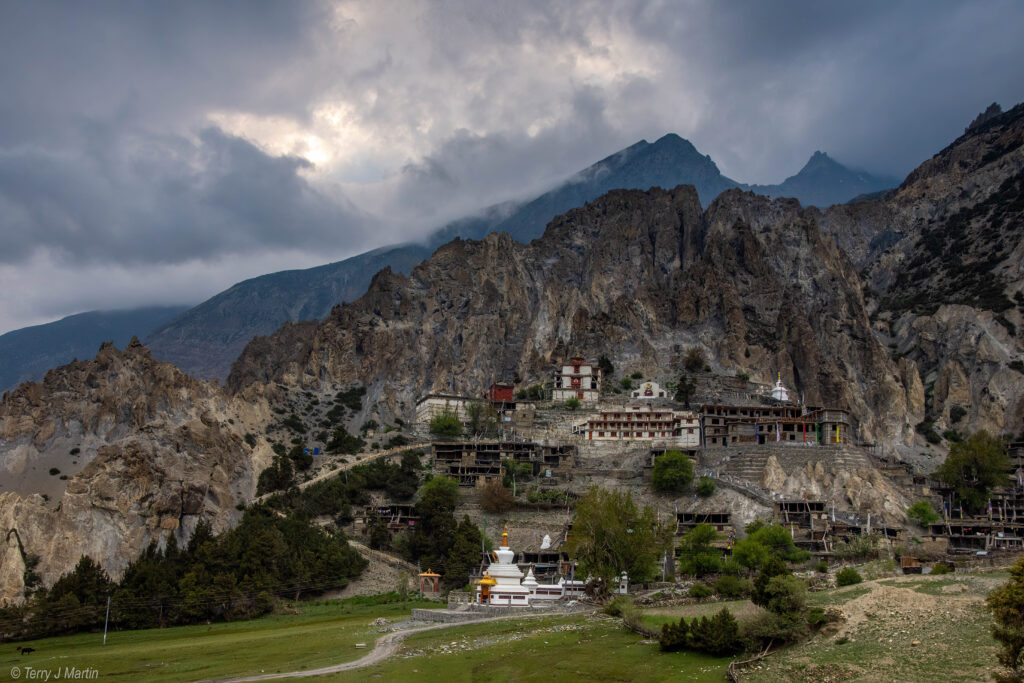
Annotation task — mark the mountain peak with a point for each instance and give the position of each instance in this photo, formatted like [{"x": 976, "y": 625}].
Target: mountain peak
[
  {"x": 818, "y": 162},
  {"x": 678, "y": 144}
]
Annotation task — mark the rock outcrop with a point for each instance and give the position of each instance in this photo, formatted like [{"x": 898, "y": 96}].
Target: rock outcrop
[
  {"x": 635, "y": 275},
  {"x": 144, "y": 449}
]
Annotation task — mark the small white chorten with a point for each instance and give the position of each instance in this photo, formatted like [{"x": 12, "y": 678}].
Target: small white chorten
[{"x": 780, "y": 392}]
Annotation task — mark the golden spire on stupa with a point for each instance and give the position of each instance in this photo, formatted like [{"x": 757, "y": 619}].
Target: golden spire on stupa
[{"x": 504, "y": 536}]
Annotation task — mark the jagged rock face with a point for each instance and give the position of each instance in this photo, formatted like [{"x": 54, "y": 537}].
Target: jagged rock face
[
  {"x": 635, "y": 275},
  {"x": 859, "y": 489},
  {"x": 153, "y": 456},
  {"x": 943, "y": 256}
]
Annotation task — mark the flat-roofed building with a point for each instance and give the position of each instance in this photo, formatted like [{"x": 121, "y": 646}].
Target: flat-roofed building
[
  {"x": 578, "y": 380},
  {"x": 642, "y": 422}
]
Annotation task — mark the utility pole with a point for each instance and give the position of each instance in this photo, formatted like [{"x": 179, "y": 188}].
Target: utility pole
[{"x": 106, "y": 621}]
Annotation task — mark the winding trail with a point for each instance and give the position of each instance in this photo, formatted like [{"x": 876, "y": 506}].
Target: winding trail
[
  {"x": 385, "y": 646},
  {"x": 358, "y": 459}
]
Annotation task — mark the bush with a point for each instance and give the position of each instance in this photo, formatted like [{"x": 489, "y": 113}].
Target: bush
[
  {"x": 54, "y": 471},
  {"x": 717, "y": 636},
  {"x": 974, "y": 467},
  {"x": 697, "y": 556},
  {"x": 922, "y": 512},
  {"x": 694, "y": 359},
  {"x": 534, "y": 392},
  {"x": 343, "y": 442},
  {"x": 637, "y": 375},
  {"x": 494, "y": 497},
  {"x": 674, "y": 637},
  {"x": 700, "y": 591},
  {"x": 729, "y": 586},
  {"x": 1007, "y": 605},
  {"x": 861, "y": 547},
  {"x": 626, "y": 383},
  {"x": 616, "y": 606},
  {"x": 705, "y": 486},
  {"x": 673, "y": 472},
  {"x": 938, "y": 569},
  {"x": 821, "y": 567},
  {"x": 294, "y": 423},
  {"x": 572, "y": 403},
  {"x": 446, "y": 424},
  {"x": 848, "y": 577}
]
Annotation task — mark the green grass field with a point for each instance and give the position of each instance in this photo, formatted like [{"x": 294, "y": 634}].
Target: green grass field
[
  {"x": 591, "y": 648},
  {"x": 318, "y": 635},
  {"x": 945, "y": 615}
]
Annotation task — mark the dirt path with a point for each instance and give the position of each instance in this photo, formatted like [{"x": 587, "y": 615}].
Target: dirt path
[
  {"x": 384, "y": 647},
  {"x": 359, "y": 459}
]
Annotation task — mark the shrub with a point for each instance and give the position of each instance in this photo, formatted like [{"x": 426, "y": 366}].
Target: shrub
[
  {"x": 700, "y": 591},
  {"x": 673, "y": 472},
  {"x": 938, "y": 569},
  {"x": 54, "y": 471},
  {"x": 301, "y": 458},
  {"x": 637, "y": 375},
  {"x": 974, "y": 467},
  {"x": 694, "y": 359},
  {"x": 250, "y": 440},
  {"x": 772, "y": 567},
  {"x": 294, "y": 423},
  {"x": 743, "y": 376},
  {"x": 821, "y": 567},
  {"x": 494, "y": 497},
  {"x": 922, "y": 512},
  {"x": 705, "y": 487},
  {"x": 848, "y": 577},
  {"x": 717, "y": 636},
  {"x": 616, "y": 605},
  {"x": 368, "y": 425},
  {"x": 534, "y": 392},
  {"x": 819, "y": 616},
  {"x": 696, "y": 554},
  {"x": 572, "y": 403},
  {"x": 446, "y": 424},
  {"x": 729, "y": 586},
  {"x": 343, "y": 442},
  {"x": 927, "y": 430},
  {"x": 857, "y": 548},
  {"x": 674, "y": 637},
  {"x": 626, "y": 383},
  {"x": 957, "y": 413},
  {"x": 1007, "y": 605}
]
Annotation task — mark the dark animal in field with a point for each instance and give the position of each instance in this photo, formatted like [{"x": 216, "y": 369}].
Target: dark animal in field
[{"x": 26, "y": 650}]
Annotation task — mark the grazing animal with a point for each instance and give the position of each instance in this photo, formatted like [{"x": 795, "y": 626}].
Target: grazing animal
[{"x": 26, "y": 650}]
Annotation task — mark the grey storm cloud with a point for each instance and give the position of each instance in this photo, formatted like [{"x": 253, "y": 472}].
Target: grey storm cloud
[
  {"x": 149, "y": 199},
  {"x": 209, "y": 140}
]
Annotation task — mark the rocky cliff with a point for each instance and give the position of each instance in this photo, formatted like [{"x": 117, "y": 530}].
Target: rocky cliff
[
  {"x": 205, "y": 340},
  {"x": 104, "y": 456},
  {"x": 638, "y": 276},
  {"x": 943, "y": 257}
]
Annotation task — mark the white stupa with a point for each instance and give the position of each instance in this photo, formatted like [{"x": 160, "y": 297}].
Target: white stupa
[
  {"x": 780, "y": 392},
  {"x": 502, "y": 584},
  {"x": 530, "y": 582}
]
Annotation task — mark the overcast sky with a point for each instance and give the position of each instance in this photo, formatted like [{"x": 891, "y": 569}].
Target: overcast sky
[{"x": 157, "y": 152}]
